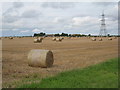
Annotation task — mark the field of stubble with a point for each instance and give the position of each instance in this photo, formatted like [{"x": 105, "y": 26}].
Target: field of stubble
[{"x": 68, "y": 54}]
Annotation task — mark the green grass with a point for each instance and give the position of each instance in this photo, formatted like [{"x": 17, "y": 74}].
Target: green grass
[{"x": 104, "y": 75}]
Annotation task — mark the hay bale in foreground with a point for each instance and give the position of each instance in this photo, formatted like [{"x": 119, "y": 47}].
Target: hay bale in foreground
[{"x": 40, "y": 58}]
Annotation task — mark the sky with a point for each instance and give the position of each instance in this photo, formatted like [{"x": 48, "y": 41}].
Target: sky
[{"x": 27, "y": 18}]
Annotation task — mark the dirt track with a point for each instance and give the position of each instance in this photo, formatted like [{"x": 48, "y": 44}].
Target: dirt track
[{"x": 68, "y": 54}]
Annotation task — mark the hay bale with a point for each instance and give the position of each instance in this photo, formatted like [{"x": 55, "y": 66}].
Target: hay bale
[
  {"x": 58, "y": 39},
  {"x": 38, "y": 40},
  {"x": 109, "y": 38},
  {"x": 93, "y": 39},
  {"x": 53, "y": 39},
  {"x": 40, "y": 58},
  {"x": 61, "y": 38},
  {"x": 10, "y": 37},
  {"x": 35, "y": 40},
  {"x": 100, "y": 39}
]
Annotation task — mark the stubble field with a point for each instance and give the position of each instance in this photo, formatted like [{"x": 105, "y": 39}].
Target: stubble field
[{"x": 69, "y": 54}]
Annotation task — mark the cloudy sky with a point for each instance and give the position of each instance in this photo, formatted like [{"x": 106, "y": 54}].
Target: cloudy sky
[{"x": 27, "y": 18}]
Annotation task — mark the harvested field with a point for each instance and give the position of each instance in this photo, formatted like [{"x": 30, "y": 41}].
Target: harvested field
[{"x": 69, "y": 54}]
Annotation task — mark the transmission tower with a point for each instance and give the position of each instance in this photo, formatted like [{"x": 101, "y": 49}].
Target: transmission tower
[{"x": 103, "y": 31}]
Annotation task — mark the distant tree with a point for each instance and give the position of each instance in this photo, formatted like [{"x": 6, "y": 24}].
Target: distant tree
[
  {"x": 39, "y": 34},
  {"x": 64, "y": 34},
  {"x": 108, "y": 35},
  {"x": 57, "y": 34},
  {"x": 76, "y": 35},
  {"x": 42, "y": 34},
  {"x": 89, "y": 35},
  {"x": 35, "y": 34},
  {"x": 69, "y": 35},
  {"x": 84, "y": 35}
]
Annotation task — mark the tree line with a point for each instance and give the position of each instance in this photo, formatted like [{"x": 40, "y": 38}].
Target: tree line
[
  {"x": 62, "y": 34},
  {"x": 66, "y": 35}
]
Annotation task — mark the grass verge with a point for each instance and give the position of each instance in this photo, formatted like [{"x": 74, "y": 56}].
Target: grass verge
[{"x": 104, "y": 75}]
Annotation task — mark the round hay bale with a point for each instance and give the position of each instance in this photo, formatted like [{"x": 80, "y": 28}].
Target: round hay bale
[
  {"x": 58, "y": 39},
  {"x": 61, "y": 38},
  {"x": 53, "y": 39},
  {"x": 109, "y": 38},
  {"x": 100, "y": 39},
  {"x": 93, "y": 39},
  {"x": 40, "y": 58},
  {"x": 35, "y": 40},
  {"x": 38, "y": 40},
  {"x": 10, "y": 37}
]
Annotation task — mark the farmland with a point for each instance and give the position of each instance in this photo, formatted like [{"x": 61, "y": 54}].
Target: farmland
[{"x": 69, "y": 54}]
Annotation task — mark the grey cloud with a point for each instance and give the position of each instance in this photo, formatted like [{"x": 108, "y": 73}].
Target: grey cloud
[
  {"x": 10, "y": 19},
  {"x": 113, "y": 17},
  {"x": 18, "y": 4},
  {"x": 9, "y": 16},
  {"x": 8, "y": 11},
  {"x": 104, "y": 3},
  {"x": 56, "y": 5},
  {"x": 31, "y": 14}
]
